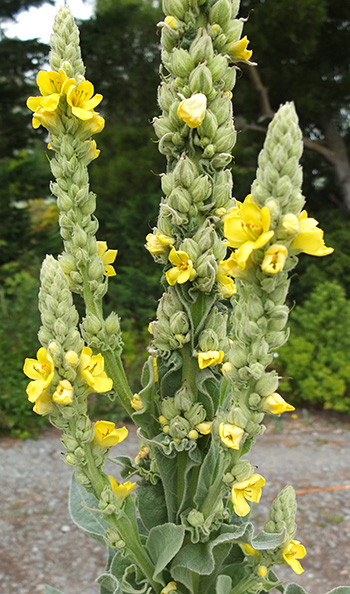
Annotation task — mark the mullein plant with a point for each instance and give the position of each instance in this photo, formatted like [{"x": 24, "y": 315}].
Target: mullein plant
[{"x": 179, "y": 518}]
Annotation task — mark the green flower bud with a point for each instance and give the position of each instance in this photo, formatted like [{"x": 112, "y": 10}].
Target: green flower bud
[
  {"x": 196, "y": 414},
  {"x": 201, "y": 188},
  {"x": 91, "y": 324},
  {"x": 222, "y": 107},
  {"x": 209, "y": 125},
  {"x": 184, "y": 398},
  {"x": 166, "y": 96},
  {"x": 165, "y": 225},
  {"x": 209, "y": 151},
  {"x": 169, "y": 38},
  {"x": 195, "y": 518},
  {"x": 201, "y": 48},
  {"x": 218, "y": 321},
  {"x": 208, "y": 340},
  {"x": 229, "y": 78},
  {"x": 96, "y": 269},
  {"x": 112, "y": 325},
  {"x": 225, "y": 138},
  {"x": 179, "y": 323},
  {"x": 221, "y": 160},
  {"x": 206, "y": 267},
  {"x": 220, "y": 13},
  {"x": 234, "y": 31},
  {"x": 191, "y": 247},
  {"x": 254, "y": 400},
  {"x": 179, "y": 427},
  {"x": 180, "y": 199},
  {"x": 162, "y": 126},
  {"x": 238, "y": 417},
  {"x": 168, "y": 408},
  {"x": 267, "y": 384},
  {"x": 218, "y": 66},
  {"x": 175, "y": 8},
  {"x": 81, "y": 477},
  {"x": 185, "y": 172},
  {"x": 242, "y": 471},
  {"x": 201, "y": 80},
  {"x": 167, "y": 182},
  {"x": 181, "y": 63}
]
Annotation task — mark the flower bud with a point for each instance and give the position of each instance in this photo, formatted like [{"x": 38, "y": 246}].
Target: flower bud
[
  {"x": 179, "y": 323},
  {"x": 206, "y": 267},
  {"x": 201, "y": 80},
  {"x": 181, "y": 63},
  {"x": 201, "y": 48},
  {"x": 71, "y": 357},
  {"x": 218, "y": 66},
  {"x": 96, "y": 269},
  {"x": 191, "y": 248},
  {"x": 180, "y": 199},
  {"x": 229, "y": 78},
  {"x": 267, "y": 384},
  {"x": 238, "y": 417},
  {"x": 201, "y": 188},
  {"x": 225, "y": 138},
  {"x": 242, "y": 471},
  {"x": 112, "y": 325},
  {"x": 168, "y": 408},
  {"x": 208, "y": 340},
  {"x": 166, "y": 96},
  {"x": 185, "y": 172},
  {"x": 196, "y": 414},
  {"x": 195, "y": 518},
  {"x": 209, "y": 125},
  {"x": 254, "y": 400},
  {"x": 220, "y": 13},
  {"x": 221, "y": 160},
  {"x": 162, "y": 126},
  {"x": 184, "y": 398},
  {"x": 169, "y": 38},
  {"x": 175, "y": 8},
  {"x": 179, "y": 427}
]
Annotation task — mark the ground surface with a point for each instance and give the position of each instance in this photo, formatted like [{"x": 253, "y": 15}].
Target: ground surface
[{"x": 39, "y": 544}]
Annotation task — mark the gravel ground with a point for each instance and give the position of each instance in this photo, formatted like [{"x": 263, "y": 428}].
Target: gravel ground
[{"x": 39, "y": 544}]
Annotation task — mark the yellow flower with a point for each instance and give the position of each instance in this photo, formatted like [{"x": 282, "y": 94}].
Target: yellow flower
[
  {"x": 172, "y": 22},
  {"x": 230, "y": 435},
  {"x": 93, "y": 152},
  {"x": 107, "y": 256},
  {"x": 50, "y": 86},
  {"x": 246, "y": 228},
  {"x": 248, "y": 549},
  {"x": 80, "y": 98},
  {"x": 275, "y": 258},
  {"x": 95, "y": 125},
  {"x": 238, "y": 50},
  {"x": 210, "y": 358},
  {"x": 64, "y": 393},
  {"x": 310, "y": 239},
  {"x": 155, "y": 369},
  {"x": 107, "y": 436},
  {"x": 291, "y": 553},
  {"x": 183, "y": 268},
  {"x": 121, "y": 489},
  {"x": 170, "y": 587},
  {"x": 136, "y": 402},
  {"x": 226, "y": 284},
  {"x": 158, "y": 243},
  {"x": 276, "y": 405},
  {"x": 262, "y": 570},
  {"x": 43, "y": 404},
  {"x": 92, "y": 370},
  {"x": 204, "y": 428},
  {"x": 41, "y": 371},
  {"x": 71, "y": 357},
  {"x": 192, "y": 110},
  {"x": 143, "y": 454},
  {"x": 249, "y": 489}
]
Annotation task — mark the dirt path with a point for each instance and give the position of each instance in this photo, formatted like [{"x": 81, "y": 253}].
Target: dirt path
[{"x": 39, "y": 544}]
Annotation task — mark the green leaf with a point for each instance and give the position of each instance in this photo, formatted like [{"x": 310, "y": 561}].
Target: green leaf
[
  {"x": 209, "y": 391},
  {"x": 170, "y": 380},
  {"x": 50, "y": 590},
  {"x": 193, "y": 458},
  {"x": 265, "y": 541},
  {"x": 223, "y": 584},
  {"x": 151, "y": 505},
  {"x": 162, "y": 544},
  {"x": 145, "y": 418},
  {"x": 125, "y": 462},
  {"x": 89, "y": 521},
  {"x": 199, "y": 557},
  {"x": 167, "y": 470},
  {"x": 109, "y": 584},
  {"x": 207, "y": 471}
]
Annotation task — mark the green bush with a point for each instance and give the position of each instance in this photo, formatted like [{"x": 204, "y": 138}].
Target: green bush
[{"x": 315, "y": 361}]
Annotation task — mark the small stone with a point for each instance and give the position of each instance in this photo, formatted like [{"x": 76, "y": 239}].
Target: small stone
[{"x": 65, "y": 528}]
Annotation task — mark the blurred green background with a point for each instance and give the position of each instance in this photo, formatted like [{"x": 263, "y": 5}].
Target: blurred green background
[{"x": 303, "y": 53}]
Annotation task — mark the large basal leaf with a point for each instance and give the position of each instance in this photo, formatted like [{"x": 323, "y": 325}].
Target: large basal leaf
[
  {"x": 265, "y": 541},
  {"x": 206, "y": 474},
  {"x": 163, "y": 543},
  {"x": 87, "y": 520},
  {"x": 295, "y": 589},
  {"x": 167, "y": 469}
]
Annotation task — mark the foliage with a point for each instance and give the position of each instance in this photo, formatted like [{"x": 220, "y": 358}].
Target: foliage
[{"x": 316, "y": 356}]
